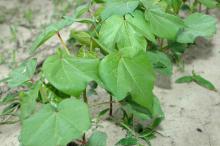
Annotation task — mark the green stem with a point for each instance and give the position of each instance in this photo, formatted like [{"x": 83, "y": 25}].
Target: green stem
[{"x": 63, "y": 43}]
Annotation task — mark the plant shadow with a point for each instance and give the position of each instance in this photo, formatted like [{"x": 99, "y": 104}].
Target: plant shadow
[
  {"x": 201, "y": 50},
  {"x": 163, "y": 81}
]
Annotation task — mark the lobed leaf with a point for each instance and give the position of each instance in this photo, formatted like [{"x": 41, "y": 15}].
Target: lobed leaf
[
  {"x": 129, "y": 75},
  {"x": 70, "y": 74},
  {"x": 119, "y": 7},
  {"x": 197, "y": 25},
  {"x": 163, "y": 24},
  {"x": 127, "y": 34},
  {"x": 56, "y": 127}
]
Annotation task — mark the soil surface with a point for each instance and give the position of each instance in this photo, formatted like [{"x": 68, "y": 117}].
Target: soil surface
[{"x": 192, "y": 112}]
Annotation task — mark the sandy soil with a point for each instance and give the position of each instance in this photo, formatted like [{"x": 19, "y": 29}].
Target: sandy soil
[{"x": 192, "y": 112}]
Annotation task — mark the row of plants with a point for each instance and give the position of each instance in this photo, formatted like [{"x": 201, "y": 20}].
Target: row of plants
[{"x": 127, "y": 44}]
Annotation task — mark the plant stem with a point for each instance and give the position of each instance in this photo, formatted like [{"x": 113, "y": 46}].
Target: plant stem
[
  {"x": 107, "y": 102},
  {"x": 110, "y": 106},
  {"x": 200, "y": 7},
  {"x": 161, "y": 43},
  {"x": 85, "y": 99},
  {"x": 63, "y": 43},
  {"x": 84, "y": 138},
  {"x": 207, "y": 11}
]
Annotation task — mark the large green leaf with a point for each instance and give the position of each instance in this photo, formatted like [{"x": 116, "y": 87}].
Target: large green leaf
[
  {"x": 70, "y": 74},
  {"x": 127, "y": 34},
  {"x": 163, "y": 24},
  {"x": 97, "y": 139},
  {"x": 129, "y": 75},
  {"x": 137, "y": 20},
  {"x": 197, "y": 25},
  {"x": 22, "y": 74},
  {"x": 56, "y": 127},
  {"x": 119, "y": 7},
  {"x": 28, "y": 101}
]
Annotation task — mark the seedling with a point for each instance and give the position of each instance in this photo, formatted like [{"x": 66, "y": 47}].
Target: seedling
[
  {"x": 198, "y": 80},
  {"x": 120, "y": 53}
]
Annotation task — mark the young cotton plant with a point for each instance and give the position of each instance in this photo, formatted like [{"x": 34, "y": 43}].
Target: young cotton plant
[{"x": 119, "y": 52}]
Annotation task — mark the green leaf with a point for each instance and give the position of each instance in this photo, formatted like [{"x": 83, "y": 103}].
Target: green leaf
[
  {"x": 175, "y": 5},
  {"x": 156, "y": 114},
  {"x": 80, "y": 10},
  {"x": 70, "y": 74},
  {"x": 129, "y": 75},
  {"x": 22, "y": 74},
  {"x": 4, "y": 80},
  {"x": 203, "y": 82},
  {"x": 9, "y": 109},
  {"x": 140, "y": 25},
  {"x": 83, "y": 37},
  {"x": 103, "y": 112},
  {"x": 127, "y": 34},
  {"x": 138, "y": 111},
  {"x": 8, "y": 98},
  {"x": 56, "y": 127},
  {"x": 185, "y": 79},
  {"x": 149, "y": 4},
  {"x": 127, "y": 141},
  {"x": 119, "y": 7},
  {"x": 163, "y": 24},
  {"x": 51, "y": 30},
  {"x": 99, "y": 1},
  {"x": 161, "y": 62},
  {"x": 28, "y": 101},
  {"x": 97, "y": 139},
  {"x": 197, "y": 79},
  {"x": 209, "y": 3},
  {"x": 197, "y": 25}
]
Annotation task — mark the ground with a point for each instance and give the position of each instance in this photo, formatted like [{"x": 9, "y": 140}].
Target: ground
[{"x": 192, "y": 112}]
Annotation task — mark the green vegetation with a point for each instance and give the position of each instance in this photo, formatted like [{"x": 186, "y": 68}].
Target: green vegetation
[{"x": 126, "y": 44}]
